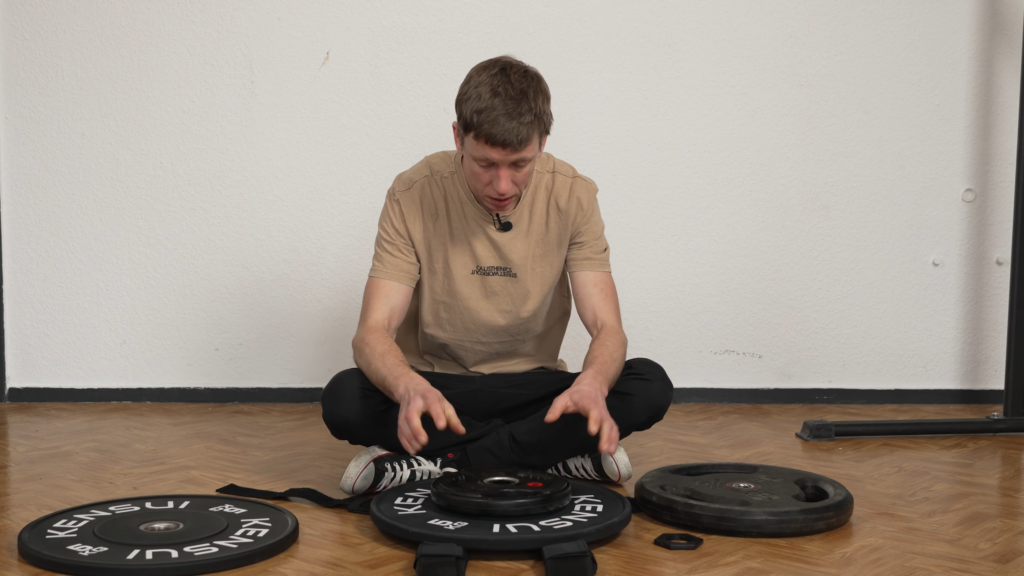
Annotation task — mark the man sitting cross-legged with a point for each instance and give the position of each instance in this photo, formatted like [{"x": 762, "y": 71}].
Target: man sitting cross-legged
[{"x": 479, "y": 255}]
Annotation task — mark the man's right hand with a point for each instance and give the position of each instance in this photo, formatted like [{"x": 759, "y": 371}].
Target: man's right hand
[{"x": 415, "y": 399}]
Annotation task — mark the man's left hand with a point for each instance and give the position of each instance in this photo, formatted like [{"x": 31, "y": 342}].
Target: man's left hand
[{"x": 588, "y": 400}]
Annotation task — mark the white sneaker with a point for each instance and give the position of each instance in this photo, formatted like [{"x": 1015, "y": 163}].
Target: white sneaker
[
  {"x": 614, "y": 468},
  {"x": 376, "y": 469}
]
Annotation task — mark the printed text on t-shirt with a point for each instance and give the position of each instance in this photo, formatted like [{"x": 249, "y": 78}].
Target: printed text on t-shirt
[{"x": 494, "y": 271}]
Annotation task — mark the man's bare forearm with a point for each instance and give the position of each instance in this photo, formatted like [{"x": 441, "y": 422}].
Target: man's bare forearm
[
  {"x": 605, "y": 358},
  {"x": 383, "y": 362}
]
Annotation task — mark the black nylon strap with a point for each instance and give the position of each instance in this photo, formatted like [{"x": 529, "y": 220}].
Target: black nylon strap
[
  {"x": 355, "y": 504},
  {"x": 569, "y": 559},
  {"x": 434, "y": 559}
]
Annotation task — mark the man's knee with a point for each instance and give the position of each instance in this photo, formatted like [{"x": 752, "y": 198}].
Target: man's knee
[
  {"x": 649, "y": 388},
  {"x": 342, "y": 402}
]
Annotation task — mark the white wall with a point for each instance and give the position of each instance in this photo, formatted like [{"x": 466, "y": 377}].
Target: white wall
[{"x": 190, "y": 190}]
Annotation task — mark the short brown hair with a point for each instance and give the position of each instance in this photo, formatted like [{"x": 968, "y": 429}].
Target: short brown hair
[{"x": 504, "y": 102}]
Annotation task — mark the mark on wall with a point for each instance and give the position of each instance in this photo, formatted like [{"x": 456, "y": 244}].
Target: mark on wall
[
  {"x": 326, "y": 58},
  {"x": 737, "y": 353}
]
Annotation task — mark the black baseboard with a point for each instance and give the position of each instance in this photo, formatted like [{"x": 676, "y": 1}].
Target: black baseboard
[
  {"x": 179, "y": 395},
  {"x": 833, "y": 396},
  {"x": 682, "y": 395}
]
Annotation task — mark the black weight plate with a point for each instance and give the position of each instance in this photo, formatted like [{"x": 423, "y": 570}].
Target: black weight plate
[
  {"x": 750, "y": 500},
  {"x": 170, "y": 535},
  {"x": 500, "y": 492},
  {"x": 408, "y": 512}
]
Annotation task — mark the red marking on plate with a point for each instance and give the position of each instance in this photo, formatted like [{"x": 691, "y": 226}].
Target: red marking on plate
[{"x": 535, "y": 484}]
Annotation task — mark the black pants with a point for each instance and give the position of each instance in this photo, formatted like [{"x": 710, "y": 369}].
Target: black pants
[{"x": 503, "y": 414}]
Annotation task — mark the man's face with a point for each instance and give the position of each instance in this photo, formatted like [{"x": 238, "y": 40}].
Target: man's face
[{"x": 497, "y": 177}]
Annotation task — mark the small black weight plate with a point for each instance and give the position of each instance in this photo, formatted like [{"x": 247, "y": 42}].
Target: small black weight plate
[
  {"x": 500, "y": 492},
  {"x": 170, "y": 535},
  {"x": 160, "y": 527},
  {"x": 750, "y": 500},
  {"x": 408, "y": 512}
]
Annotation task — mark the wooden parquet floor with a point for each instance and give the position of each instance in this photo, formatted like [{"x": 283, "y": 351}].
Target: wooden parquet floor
[{"x": 949, "y": 505}]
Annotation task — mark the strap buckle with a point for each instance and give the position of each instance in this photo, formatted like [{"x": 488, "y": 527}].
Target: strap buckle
[
  {"x": 433, "y": 559},
  {"x": 569, "y": 559}
]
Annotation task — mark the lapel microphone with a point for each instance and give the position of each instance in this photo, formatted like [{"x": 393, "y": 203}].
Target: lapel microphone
[{"x": 499, "y": 225}]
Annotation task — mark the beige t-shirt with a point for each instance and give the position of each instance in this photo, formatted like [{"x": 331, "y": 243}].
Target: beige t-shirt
[{"x": 487, "y": 301}]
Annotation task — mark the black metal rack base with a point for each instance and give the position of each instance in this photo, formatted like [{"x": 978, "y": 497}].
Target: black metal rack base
[
  {"x": 825, "y": 431},
  {"x": 1011, "y": 421}
]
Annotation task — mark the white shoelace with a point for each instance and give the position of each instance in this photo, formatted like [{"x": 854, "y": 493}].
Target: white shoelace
[
  {"x": 400, "y": 472},
  {"x": 576, "y": 467}
]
